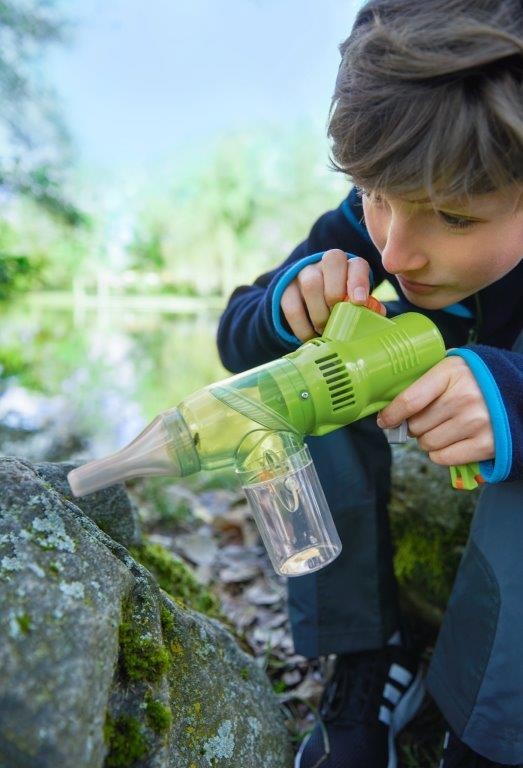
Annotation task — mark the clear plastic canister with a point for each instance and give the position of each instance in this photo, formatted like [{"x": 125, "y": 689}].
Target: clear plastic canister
[{"x": 292, "y": 514}]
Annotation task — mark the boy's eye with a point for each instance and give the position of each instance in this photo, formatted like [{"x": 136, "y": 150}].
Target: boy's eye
[{"x": 456, "y": 222}]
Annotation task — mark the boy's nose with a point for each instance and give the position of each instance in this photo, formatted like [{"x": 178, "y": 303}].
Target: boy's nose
[{"x": 403, "y": 250}]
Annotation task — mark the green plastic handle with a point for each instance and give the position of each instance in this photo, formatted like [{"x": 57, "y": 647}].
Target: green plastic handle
[{"x": 466, "y": 477}]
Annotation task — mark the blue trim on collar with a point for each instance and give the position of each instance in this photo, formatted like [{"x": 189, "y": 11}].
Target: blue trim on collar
[
  {"x": 459, "y": 310},
  {"x": 498, "y": 469}
]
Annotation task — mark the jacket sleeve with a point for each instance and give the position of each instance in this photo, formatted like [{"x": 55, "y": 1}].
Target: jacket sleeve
[
  {"x": 499, "y": 374},
  {"x": 246, "y": 333}
]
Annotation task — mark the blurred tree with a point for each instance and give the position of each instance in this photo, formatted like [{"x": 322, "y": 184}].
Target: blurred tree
[
  {"x": 17, "y": 270},
  {"x": 33, "y": 138},
  {"x": 253, "y": 198},
  {"x": 146, "y": 250},
  {"x": 34, "y": 146}
]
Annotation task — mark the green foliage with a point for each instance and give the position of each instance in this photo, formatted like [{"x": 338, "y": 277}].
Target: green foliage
[
  {"x": 17, "y": 274},
  {"x": 18, "y": 271},
  {"x": 147, "y": 250},
  {"x": 199, "y": 230}
]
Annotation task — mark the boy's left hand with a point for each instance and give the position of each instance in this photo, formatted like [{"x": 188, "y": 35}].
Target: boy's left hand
[{"x": 446, "y": 412}]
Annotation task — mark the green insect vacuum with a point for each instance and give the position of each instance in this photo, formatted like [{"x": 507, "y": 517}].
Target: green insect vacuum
[{"x": 256, "y": 422}]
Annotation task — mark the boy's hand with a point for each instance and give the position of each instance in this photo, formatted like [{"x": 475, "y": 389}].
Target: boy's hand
[
  {"x": 307, "y": 302},
  {"x": 446, "y": 412}
]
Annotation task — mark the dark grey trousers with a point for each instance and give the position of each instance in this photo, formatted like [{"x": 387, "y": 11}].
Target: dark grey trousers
[{"x": 476, "y": 673}]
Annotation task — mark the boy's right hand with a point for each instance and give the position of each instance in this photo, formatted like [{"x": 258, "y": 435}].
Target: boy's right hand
[{"x": 307, "y": 302}]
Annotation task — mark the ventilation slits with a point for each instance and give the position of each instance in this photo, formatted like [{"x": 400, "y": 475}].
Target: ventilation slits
[{"x": 337, "y": 380}]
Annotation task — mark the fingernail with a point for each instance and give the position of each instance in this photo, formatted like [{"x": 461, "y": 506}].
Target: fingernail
[
  {"x": 379, "y": 421},
  {"x": 360, "y": 294}
]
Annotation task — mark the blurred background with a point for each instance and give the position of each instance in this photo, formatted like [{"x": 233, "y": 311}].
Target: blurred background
[{"x": 152, "y": 157}]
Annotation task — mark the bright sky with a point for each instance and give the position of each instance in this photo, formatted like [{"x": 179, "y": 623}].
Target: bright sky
[{"x": 143, "y": 81}]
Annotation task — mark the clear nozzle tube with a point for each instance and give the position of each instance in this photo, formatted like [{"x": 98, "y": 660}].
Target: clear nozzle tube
[{"x": 165, "y": 447}]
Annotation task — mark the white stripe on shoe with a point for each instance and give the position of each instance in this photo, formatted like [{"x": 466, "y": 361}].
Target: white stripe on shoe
[
  {"x": 400, "y": 674},
  {"x": 405, "y": 711},
  {"x": 445, "y": 745},
  {"x": 391, "y": 693},
  {"x": 385, "y": 715},
  {"x": 395, "y": 717}
]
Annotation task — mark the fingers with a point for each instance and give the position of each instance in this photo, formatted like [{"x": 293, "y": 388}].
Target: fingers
[
  {"x": 415, "y": 398},
  {"x": 358, "y": 280},
  {"x": 461, "y": 417},
  {"x": 457, "y": 431},
  {"x": 306, "y": 303},
  {"x": 462, "y": 452},
  {"x": 293, "y": 308},
  {"x": 334, "y": 266},
  {"x": 311, "y": 283},
  {"x": 447, "y": 413}
]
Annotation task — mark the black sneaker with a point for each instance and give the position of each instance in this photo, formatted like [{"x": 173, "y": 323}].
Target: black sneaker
[
  {"x": 371, "y": 696},
  {"x": 456, "y": 754}
]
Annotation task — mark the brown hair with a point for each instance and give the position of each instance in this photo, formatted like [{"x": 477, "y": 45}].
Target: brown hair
[{"x": 429, "y": 96}]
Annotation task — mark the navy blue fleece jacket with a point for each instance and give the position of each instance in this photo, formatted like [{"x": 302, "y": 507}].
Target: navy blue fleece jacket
[{"x": 250, "y": 333}]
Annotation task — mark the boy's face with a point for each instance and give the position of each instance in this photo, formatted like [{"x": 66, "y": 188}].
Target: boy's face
[{"x": 441, "y": 255}]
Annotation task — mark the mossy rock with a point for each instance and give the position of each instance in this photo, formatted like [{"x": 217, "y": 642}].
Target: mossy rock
[
  {"x": 430, "y": 522},
  {"x": 103, "y": 667},
  {"x": 111, "y": 508},
  {"x": 176, "y": 578}
]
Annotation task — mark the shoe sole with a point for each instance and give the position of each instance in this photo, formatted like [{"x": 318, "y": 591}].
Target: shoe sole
[{"x": 408, "y": 707}]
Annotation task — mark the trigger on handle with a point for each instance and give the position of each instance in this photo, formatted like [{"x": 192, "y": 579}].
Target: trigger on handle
[
  {"x": 399, "y": 434},
  {"x": 466, "y": 477}
]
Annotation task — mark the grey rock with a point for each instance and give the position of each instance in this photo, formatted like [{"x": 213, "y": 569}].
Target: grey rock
[
  {"x": 111, "y": 508},
  {"x": 102, "y": 668},
  {"x": 60, "y": 601},
  {"x": 423, "y": 488}
]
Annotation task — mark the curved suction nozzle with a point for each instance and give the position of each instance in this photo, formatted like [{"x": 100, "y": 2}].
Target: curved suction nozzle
[{"x": 165, "y": 447}]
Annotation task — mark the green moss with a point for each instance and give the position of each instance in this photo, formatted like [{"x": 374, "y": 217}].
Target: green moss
[
  {"x": 143, "y": 658},
  {"x": 24, "y": 622},
  {"x": 125, "y": 740},
  {"x": 176, "y": 579},
  {"x": 167, "y": 620},
  {"x": 427, "y": 555},
  {"x": 159, "y": 715},
  {"x": 244, "y": 672}
]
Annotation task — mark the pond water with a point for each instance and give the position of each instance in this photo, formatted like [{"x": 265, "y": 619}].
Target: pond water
[{"x": 111, "y": 369}]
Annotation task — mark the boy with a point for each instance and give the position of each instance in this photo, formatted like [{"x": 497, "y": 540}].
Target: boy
[{"x": 427, "y": 121}]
